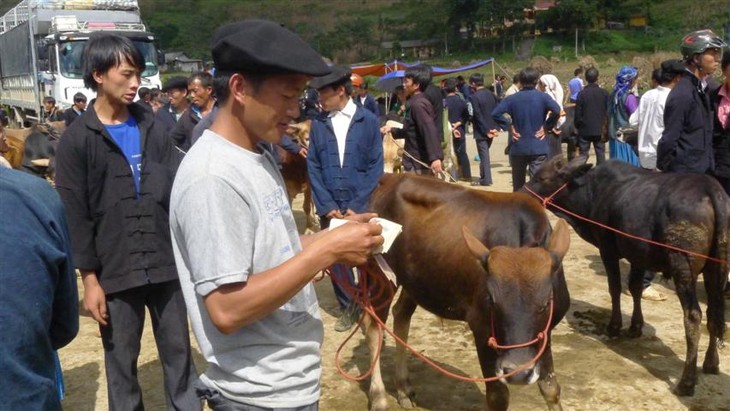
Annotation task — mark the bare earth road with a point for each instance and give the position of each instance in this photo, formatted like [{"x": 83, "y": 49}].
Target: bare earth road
[{"x": 596, "y": 373}]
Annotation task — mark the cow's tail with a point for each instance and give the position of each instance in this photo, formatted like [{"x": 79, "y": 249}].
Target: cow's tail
[{"x": 716, "y": 272}]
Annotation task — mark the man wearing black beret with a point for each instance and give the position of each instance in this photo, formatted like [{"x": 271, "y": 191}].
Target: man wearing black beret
[
  {"x": 345, "y": 162},
  {"x": 176, "y": 89},
  {"x": 245, "y": 273}
]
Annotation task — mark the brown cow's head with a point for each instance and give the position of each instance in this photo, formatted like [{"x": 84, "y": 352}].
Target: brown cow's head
[
  {"x": 517, "y": 291},
  {"x": 557, "y": 171}
]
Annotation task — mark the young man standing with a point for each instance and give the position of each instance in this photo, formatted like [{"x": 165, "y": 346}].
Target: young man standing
[
  {"x": 575, "y": 85},
  {"x": 52, "y": 112},
  {"x": 529, "y": 122},
  {"x": 591, "y": 111},
  {"x": 345, "y": 162},
  {"x": 686, "y": 143},
  {"x": 76, "y": 110},
  {"x": 483, "y": 102},
  {"x": 458, "y": 114},
  {"x": 246, "y": 275},
  {"x": 422, "y": 140},
  {"x": 114, "y": 172}
]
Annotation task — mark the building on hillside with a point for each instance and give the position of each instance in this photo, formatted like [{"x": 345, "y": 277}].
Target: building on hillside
[
  {"x": 417, "y": 49},
  {"x": 178, "y": 61}
]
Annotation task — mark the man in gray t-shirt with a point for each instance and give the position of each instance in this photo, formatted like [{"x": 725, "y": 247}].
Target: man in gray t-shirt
[{"x": 245, "y": 273}]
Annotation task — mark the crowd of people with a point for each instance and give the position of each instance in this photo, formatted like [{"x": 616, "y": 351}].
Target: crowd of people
[{"x": 171, "y": 202}]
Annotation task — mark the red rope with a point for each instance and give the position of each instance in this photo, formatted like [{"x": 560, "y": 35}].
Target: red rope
[{"x": 548, "y": 201}]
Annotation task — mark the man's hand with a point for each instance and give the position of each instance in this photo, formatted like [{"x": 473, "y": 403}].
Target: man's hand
[
  {"x": 353, "y": 243},
  {"x": 334, "y": 214},
  {"x": 540, "y": 134},
  {"x": 515, "y": 134},
  {"x": 492, "y": 133},
  {"x": 436, "y": 166},
  {"x": 456, "y": 133},
  {"x": 359, "y": 218},
  {"x": 303, "y": 152},
  {"x": 385, "y": 130},
  {"x": 94, "y": 297}
]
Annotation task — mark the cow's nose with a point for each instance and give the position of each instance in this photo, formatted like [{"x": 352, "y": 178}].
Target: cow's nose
[{"x": 523, "y": 377}]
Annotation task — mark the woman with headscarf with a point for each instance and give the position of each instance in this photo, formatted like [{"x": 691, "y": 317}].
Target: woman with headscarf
[
  {"x": 623, "y": 102},
  {"x": 550, "y": 85}
]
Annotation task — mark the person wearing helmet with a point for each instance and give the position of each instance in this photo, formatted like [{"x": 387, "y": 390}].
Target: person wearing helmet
[
  {"x": 361, "y": 96},
  {"x": 686, "y": 142}
]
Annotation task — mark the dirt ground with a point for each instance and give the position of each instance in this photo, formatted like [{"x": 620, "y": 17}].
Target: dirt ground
[{"x": 595, "y": 372}]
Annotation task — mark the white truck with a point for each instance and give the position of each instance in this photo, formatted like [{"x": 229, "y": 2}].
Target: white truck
[{"x": 41, "y": 43}]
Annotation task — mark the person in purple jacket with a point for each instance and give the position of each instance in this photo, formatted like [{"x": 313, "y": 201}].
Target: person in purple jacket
[{"x": 532, "y": 114}]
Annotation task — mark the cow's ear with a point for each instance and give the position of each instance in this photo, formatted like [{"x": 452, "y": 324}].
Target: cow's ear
[
  {"x": 559, "y": 241},
  {"x": 476, "y": 247}
]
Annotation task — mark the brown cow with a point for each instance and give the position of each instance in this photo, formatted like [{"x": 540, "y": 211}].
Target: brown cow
[
  {"x": 489, "y": 282},
  {"x": 687, "y": 211},
  {"x": 32, "y": 149},
  {"x": 294, "y": 170}
]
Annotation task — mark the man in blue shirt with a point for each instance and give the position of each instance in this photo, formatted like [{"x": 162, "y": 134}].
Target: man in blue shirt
[
  {"x": 575, "y": 85},
  {"x": 528, "y": 110}
]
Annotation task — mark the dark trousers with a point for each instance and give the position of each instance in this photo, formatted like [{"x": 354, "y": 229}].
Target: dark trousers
[
  {"x": 520, "y": 164},
  {"x": 485, "y": 166},
  {"x": 584, "y": 144},
  {"x": 340, "y": 274},
  {"x": 555, "y": 146},
  {"x": 218, "y": 402},
  {"x": 121, "y": 340},
  {"x": 462, "y": 157}
]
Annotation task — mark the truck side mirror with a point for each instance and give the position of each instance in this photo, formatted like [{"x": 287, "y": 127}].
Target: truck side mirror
[{"x": 160, "y": 58}]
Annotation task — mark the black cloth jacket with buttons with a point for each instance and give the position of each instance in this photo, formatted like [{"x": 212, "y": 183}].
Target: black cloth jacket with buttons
[{"x": 121, "y": 235}]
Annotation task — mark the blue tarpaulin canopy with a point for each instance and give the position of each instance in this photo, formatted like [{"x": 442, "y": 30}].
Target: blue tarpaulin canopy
[{"x": 394, "y": 79}]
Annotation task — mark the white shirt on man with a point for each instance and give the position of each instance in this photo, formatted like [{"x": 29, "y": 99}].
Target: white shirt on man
[
  {"x": 341, "y": 124},
  {"x": 649, "y": 116}
]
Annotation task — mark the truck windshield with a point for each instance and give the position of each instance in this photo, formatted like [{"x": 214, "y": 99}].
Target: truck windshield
[{"x": 70, "y": 58}]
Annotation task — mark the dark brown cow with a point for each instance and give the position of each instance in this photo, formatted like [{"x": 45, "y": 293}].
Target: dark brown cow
[
  {"x": 486, "y": 281},
  {"x": 687, "y": 211}
]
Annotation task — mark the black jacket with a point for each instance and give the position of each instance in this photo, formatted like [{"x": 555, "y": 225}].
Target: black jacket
[
  {"x": 165, "y": 116},
  {"x": 183, "y": 131},
  {"x": 591, "y": 110},
  {"x": 483, "y": 102},
  {"x": 720, "y": 138},
  {"x": 69, "y": 116},
  {"x": 125, "y": 239},
  {"x": 686, "y": 143}
]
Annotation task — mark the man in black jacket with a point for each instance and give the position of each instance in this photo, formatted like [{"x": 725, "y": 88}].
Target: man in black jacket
[
  {"x": 115, "y": 168},
  {"x": 483, "y": 102},
  {"x": 200, "y": 88},
  {"x": 686, "y": 143},
  {"x": 176, "y": 89},
  {"x": 591, "y": 110}
]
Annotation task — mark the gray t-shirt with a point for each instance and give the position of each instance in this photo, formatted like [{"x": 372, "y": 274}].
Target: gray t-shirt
[{"x": 230, "y": 218}]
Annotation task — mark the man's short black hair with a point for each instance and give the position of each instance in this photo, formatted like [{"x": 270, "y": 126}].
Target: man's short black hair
[
  {"x": 143, "y": 92},
  {"x": 725, "y": 58},
  {"x": 49, "y": 99},
  {"x": 529, "y": 77},
  {"x": 78, "y": 97},
  {"x": 516, "y": 78},
  {"x": 419, "y": 74},
  {"x": 104, "y": 51},
  {"x": 477, "y": 79},
  {"x": 450, "y": 85},
  {"x": 578, "y": 71},
  {"x": 592, "y": 75}
]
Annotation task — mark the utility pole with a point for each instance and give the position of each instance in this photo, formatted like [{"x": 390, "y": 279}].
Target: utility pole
[{"x": 576, "y": 42}]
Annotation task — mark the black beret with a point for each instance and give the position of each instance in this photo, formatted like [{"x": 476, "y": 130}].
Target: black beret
[
  {"x": 338, "y": 75},
  {"x": 177, "y": 82},
  {"x": 673, "y": 67},
  {"x": 266, "y": 47}
]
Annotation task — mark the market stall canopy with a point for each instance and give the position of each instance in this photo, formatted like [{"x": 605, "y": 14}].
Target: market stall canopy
[{"x": 393, "y": 79}]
